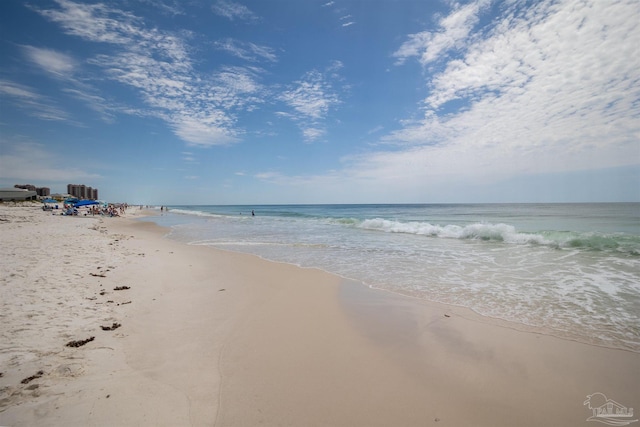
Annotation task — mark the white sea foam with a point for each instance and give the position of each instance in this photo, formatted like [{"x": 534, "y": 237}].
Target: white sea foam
[
  {"x": 193, "y": 212},
  {"x": 480, "y": 231},
  {"x": 506, "y": 233}
]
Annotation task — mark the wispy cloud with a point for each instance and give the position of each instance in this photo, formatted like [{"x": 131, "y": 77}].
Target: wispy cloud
[
  {"x": 232, "y": 10},
  {"x": 200, "y": 108},
  {"x": 236, "y": 88},
  {"x": 172, "y": 8},
  {"x": 311, "y": 99},
  {"x": 346, "y": 21},
  {"x": 95, "y": 22},
  {"x": 97, "y": 103},
  {"x": 270, "y": 176},
  {"x": 51, "y": 61},
  {"x": 454, "y": 29},
  {"x": 64, "y": 68},
  {"x": 32, "y": 103},
  {"x": 246, "y": 50},
  {"x": 189, "y": 157}
]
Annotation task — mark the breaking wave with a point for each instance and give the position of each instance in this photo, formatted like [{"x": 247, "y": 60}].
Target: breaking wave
[{"x": 508, "y": 234}]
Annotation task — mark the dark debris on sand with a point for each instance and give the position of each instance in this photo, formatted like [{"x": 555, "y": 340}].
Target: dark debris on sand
[
  {"x": 32, "y": 377},
  {"x": 121, "y": 288},
  {"x": 79, "y": 343},
  {"x": 112, "y": 327}
]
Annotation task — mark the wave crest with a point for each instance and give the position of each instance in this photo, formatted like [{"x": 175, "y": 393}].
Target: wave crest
[
  {"x": 508, "y": 234},
  {"x": 479, "y": 231}
]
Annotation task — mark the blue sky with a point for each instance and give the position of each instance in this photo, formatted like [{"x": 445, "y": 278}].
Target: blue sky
[{"x": 304, "y": 101}]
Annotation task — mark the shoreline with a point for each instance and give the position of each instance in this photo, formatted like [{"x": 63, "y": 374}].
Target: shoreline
[
  {"x": 474, "y": 316},
  {"x": 581, "y": 287},
  {"x": 213, "y": 337}
]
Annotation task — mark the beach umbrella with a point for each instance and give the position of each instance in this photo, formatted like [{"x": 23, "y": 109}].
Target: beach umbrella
[
  {"x": 49, "y": 201},
  {"x": 85, "y": 203}
]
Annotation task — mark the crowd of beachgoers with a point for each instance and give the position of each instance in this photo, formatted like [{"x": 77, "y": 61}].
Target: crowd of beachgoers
[{"x": 70, "y": 209}]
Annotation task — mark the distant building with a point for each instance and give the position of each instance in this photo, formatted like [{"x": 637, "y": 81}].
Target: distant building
[
  {"x": 82, "y": 191},
  {"x": 29, "y": 187},
  {"x": 17, "y": 194},
  {"x": 40, "y": 191}
]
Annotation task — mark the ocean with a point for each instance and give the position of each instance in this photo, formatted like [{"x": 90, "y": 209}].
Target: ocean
[{"x": 572, "y": 270}]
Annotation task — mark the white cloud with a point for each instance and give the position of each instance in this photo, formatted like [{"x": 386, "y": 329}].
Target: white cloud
[
  {"x": 199, "y": 108},
  {"x": 34, "y": 104},
  {"x": 311, "y": 98},
  {"x": 553, "y": 89},
  {"x": 246, "y": 50},
  {"x": 64, "y": 68},
  {"x": 17, "y": 90},
  {"x": 269, "y": 176},
  {"x": 203, "y": 131},
  {"x": 173, "y": 9},
  {"x": 54, "y": 62},
  {"x": 236, "y": 87},
  {"x": 95, "y": 22},
  {"x": 312, "y": 134},
  {"x": 232, "y": 10},
  {"x": 454, "y": 31}
]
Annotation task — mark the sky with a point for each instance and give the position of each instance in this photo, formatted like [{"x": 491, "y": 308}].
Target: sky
[{"x": 330, "y": 101}]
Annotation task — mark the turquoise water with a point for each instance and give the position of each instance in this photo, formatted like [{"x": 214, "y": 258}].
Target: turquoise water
[{"x": 573, "y": 269}]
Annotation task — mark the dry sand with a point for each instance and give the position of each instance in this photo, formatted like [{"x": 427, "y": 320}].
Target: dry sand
[{"x": 208, "y": 337}]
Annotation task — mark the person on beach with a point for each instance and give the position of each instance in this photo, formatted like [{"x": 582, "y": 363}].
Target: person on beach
[{"x": 253, "y": 213}]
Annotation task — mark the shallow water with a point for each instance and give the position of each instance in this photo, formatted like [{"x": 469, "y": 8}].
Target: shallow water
[{"x": 570, "y": 268}]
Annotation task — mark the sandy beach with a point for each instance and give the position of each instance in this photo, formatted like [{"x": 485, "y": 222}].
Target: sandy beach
[{"x": 105, "y": 322}]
